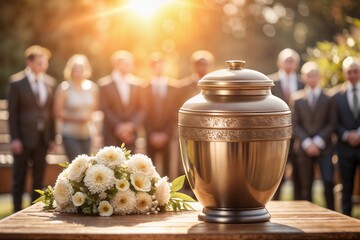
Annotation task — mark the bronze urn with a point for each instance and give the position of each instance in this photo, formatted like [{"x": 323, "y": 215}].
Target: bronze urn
[{"x": 234, "y": 140}]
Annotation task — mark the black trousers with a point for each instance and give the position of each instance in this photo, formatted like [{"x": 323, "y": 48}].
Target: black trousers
[
  {"x": 36, "y": 157},
  {"x": 160, "y": 158},
  {"x": 306, "y": 176},
  {"x": 347, "y": 168}
]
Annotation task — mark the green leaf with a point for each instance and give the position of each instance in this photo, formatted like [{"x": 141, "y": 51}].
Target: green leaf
[
  {"x": 177, "y": 184},
  {"x": 39, "y": 199},
  {"x": 174, "y": 206},
  {"x": 189, "y": 206},
  {"x": 41, "y": 192},
  {"x": 86, "y": 210},
  {"x": 65, "y": 164},
  {"x": 48, "y": 208},
  {"x": 182, "y": 196}
]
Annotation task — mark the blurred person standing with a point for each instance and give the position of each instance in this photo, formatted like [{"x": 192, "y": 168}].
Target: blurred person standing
[
  {"x": 76, "y": 99},
  {"x": 120, "y": 101},
  {"x": 313, "y": 123},
  {"x": 286, "y": 82},
  {"x": 31, "y": 121},
  {"x": 201, "y": 63},
  {"x": 161, "y": 115},
  {"x": 346, "y": 103}
]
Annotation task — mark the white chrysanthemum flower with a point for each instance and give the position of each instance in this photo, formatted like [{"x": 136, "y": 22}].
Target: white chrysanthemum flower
[
  {"x": 143, "y": 202},
  {"x": 122, "y": 185},
  {"x": 78, "y": 167},
  {"x": 124, "y": 202},
  {"x": 105, "y": 209},
  {"x": 111, "y": 157},
  {"x": 78, "y": 199},
  {"x": 63, "y": 175},
  {"x": 63, "y": 192},
  {"x": 156, "y": 176},
  {"x": 140, "y": 163},
  {"x": 102, "y": 195},
  {"x": 162, "y": 191},
  {"x": 68, "y": 209},
  {"x": 141, "y": 182},
  {"x": 99, "y": 178}
]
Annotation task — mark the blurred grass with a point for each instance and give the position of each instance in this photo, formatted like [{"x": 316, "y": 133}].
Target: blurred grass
[
  {"x": 319, "y": 198},
  {"x": 286, "y": 194},
  {"x": 6, "y": 204}
]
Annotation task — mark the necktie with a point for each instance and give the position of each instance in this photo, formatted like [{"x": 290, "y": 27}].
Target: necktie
[
  {"x": 125, "y": 91},
  {"x": 312, "y": 100},
  {"x": 40, "y": 123},
  {"x": 355, "y": 109},
  {"x": 37, "y": 91},
  {"x": 287, "y": 89}
]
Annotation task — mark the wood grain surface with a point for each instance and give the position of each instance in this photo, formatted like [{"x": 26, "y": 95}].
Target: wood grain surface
[{"x": 289, "y": 220}]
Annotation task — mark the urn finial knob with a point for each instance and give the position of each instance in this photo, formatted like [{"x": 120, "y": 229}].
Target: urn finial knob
[{"x": 235, "y": 64}]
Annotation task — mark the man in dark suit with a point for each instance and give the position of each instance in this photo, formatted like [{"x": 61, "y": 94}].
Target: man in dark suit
[
  {"x": 313, "y": 123},
  {"x": 347, "y": 103},
  {"x": 286, "y": 82},
  {"x": 120, "y": 94},
  {"x": 201, "y": 63},
  {"x": 161, "y": 115},
  {"x": 31, "y": 121}
]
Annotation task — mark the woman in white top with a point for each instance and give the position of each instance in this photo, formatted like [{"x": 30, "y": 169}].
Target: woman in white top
[{"x": 76, "y": 99}]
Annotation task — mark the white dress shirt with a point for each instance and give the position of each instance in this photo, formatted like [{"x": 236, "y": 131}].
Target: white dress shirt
[
  {"x": 38, "y": 87},
  {"x": 159, "y": 86},
  {"x": 123, "y": 86},
  {"x": 312, "y": 93},
  {"x": 289, "y": 80}
]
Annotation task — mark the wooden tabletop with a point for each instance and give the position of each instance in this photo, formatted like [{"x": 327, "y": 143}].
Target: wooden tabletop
[{"x": 290, "y": 220}]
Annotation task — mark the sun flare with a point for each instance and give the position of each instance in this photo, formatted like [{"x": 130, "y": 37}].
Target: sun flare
[{"x": 146, "y": 8}]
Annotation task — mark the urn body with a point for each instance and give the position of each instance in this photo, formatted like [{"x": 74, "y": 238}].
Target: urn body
[{"x": 234, "y": 140}]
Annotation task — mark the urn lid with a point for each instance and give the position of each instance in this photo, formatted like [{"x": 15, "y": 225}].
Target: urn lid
[{"x": 234, "y": 79}]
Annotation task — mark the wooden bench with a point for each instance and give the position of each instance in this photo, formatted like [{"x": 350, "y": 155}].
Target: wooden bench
[
  {"x": 53, "y": 159},
  {"x": 6, "y": 159},
  {"x": 290, "y": 220}
]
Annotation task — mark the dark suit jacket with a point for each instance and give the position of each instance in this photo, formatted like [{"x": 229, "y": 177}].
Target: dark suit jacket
[
  {"x": 161, "y": 116},
  {"x": 115, "y": 112},
  {"x": 24, "y": 112},
  {"x": 309, "y": 122},
  {"x": 277, "y": 89},
  {"x": 345, "y": 122}
]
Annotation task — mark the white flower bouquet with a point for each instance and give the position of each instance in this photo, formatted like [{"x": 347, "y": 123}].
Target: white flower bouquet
[{"x": 113, "y": 182}]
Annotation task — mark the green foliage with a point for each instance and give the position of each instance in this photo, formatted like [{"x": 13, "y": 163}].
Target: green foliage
[
  {"x": 64, "y": 165},
  {"x": 47, "y": 197},
  {"x": 330, "y": 55},
  {"x": 179, "y": 201},
  {"x": 177, "y": 184},
  {"x": 126, "y": 152}
]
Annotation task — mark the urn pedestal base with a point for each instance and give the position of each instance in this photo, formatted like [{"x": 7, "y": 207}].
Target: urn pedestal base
[{"x": 228, "y": 215}]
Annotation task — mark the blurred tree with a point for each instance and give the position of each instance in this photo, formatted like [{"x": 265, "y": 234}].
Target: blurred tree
[
  {"x": 283, "y": 23},
  {"x": 253, "y": 30},
  {"x": 330, "y": 55}
]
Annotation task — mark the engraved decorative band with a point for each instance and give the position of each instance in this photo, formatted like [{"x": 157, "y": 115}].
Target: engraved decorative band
[
  {"x": 206, "y": 121},
  {"x": 198, "y": 134}
]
